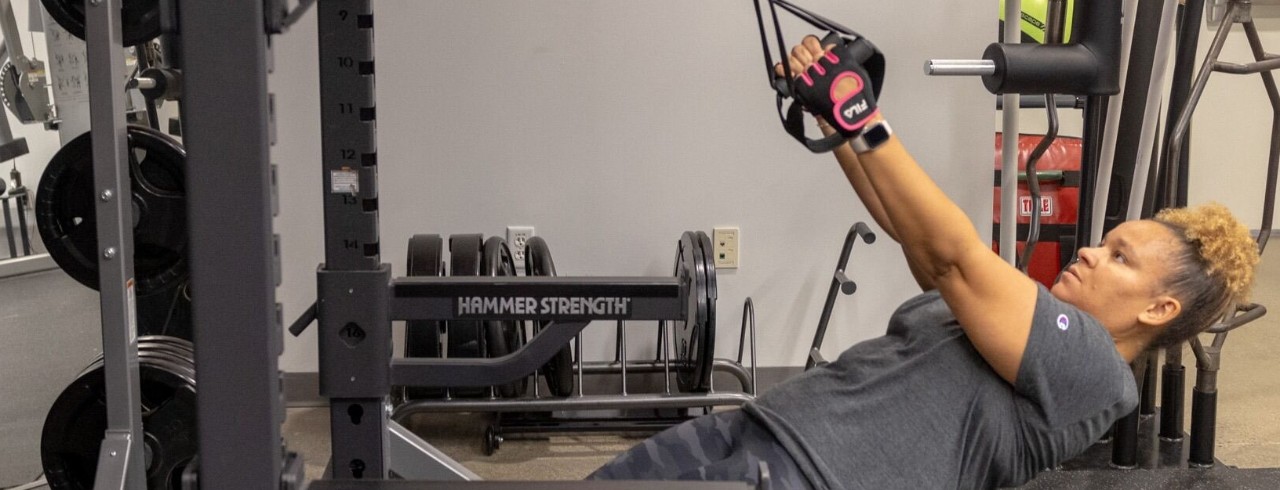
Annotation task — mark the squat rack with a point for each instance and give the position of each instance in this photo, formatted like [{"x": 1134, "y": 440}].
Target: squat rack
[{"x": 235, "y": 265}]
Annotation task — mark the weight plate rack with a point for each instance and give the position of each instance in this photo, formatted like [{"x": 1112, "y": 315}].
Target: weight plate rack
[{"x": 692, "y": 328}]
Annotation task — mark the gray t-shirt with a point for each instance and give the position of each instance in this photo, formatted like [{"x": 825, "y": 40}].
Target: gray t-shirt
[{"x": 920, "y": 407}]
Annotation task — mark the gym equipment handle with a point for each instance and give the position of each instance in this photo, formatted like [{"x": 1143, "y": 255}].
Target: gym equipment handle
[
  {"x": 1248, "y": 313},
  {"x": 300, "y": 325},
  {"x": 960, "y": 68}
]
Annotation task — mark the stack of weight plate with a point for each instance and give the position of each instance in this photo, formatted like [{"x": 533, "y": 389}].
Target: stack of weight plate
[{"x": 74, "y": 427}]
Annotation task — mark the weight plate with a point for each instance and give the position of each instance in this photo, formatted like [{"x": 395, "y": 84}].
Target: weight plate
[
  {"x": 67, "y": 219},
  {"x": 689, "y": 332},
  {"x": 426, "y": 259},
  {"x": 139, "y": 19},
  {"x": 179, "y": 344},
  {"x": 464, "y": 260},
  {"x": 502, "y": 337},
  {"x": 466, "y": 339},
  {"x": 709, "y": 329},
  {"x": 559, "y": 370},
  {"x": 422, "y": 337},
  {"x": 73, "y": 430}
]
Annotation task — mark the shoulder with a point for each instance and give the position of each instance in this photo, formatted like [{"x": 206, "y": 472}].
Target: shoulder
[
  {"x": 1058, "y": 322},
  {"x": 1071, "y": 367}
]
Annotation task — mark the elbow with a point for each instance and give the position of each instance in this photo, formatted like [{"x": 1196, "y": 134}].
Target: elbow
[{"x": 942, "y": 261}]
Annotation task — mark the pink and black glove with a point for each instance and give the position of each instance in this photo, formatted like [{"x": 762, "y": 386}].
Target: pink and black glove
[
  {"x": 838, "y": 88},
  {"x": 822, "y": 90}
]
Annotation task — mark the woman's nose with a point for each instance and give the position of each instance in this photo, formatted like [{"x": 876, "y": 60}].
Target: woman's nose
[{"x": 1088, "y": 255}]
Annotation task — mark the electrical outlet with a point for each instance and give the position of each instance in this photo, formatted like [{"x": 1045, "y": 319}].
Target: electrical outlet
[
  {"x": 517, "y": 237},
  {"x": 725, "y": 242}
]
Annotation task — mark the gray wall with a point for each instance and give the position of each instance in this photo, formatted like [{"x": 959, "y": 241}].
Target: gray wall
[{"x": 612, "y": 127}]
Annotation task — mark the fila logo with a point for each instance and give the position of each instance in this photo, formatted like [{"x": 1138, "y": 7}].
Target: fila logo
[{"x": 857, "y": 108}]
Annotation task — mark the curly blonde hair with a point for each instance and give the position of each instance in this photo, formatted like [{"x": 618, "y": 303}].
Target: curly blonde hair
[{"x": 1212, "y": 271}]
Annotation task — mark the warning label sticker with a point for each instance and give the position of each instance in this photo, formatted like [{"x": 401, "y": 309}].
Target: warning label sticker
[{"x": 345, "y": 181}]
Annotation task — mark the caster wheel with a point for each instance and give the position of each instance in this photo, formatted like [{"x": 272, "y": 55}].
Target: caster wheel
[{"x": 492, "y": 440}]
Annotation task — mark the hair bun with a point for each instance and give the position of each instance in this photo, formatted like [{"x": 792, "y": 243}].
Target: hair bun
[{"x": 1225, "y": 245}]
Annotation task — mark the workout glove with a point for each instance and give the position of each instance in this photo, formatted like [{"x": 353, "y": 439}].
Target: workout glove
[{"x": 839, "y": 88}]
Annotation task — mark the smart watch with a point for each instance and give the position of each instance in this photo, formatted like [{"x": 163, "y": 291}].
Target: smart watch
[{"x": 872, "y": 136}]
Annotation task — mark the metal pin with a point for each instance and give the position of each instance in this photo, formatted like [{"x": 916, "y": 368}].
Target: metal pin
[
  {"x": 145, "y": 83},
  {"x": 109, "y": 253},
  {"x": 960, "y": 68},
  {"x": 107, "y": 195}
]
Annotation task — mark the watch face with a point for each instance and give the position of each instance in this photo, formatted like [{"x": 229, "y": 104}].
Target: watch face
[{"x": 876, "y": 135}]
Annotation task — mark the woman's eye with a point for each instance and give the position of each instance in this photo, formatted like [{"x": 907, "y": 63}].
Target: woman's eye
[{"x": 1119, "y": 257}]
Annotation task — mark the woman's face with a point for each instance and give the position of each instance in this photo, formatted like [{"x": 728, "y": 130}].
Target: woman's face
[{"x": 1122, "y": 277}]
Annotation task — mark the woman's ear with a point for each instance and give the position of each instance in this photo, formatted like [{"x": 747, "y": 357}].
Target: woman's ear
[{"x": 1161, "y": 311}]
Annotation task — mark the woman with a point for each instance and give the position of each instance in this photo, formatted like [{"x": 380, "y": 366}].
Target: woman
[{"x": 985, "y": 379}]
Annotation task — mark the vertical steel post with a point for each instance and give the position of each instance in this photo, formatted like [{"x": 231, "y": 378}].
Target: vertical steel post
[
  {"x": 234, "y": 262},
  {"x": 120, "y": 463},
  {"x": 355, "y": 326}
]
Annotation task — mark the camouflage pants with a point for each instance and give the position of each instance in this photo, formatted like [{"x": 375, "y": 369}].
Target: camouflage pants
[{"x": 723, "y": 446}]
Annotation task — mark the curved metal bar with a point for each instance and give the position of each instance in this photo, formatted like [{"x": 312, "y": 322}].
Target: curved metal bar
[
  {"x": 1245, "y": 314},
  {"x": 1268, "y": 64},
  {"x": 1033, "y": 182},
  {"x": 1273, "y": 161},
  {"x": 1173, "y": 147}
]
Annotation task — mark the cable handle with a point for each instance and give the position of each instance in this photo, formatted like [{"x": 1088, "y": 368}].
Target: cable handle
[{"x": 846, "y": 41}]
